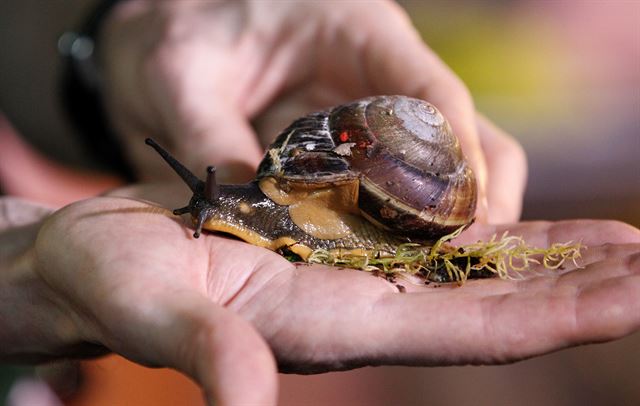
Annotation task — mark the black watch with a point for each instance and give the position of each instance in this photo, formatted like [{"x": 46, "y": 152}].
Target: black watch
[{"x": 81, "y": 90}]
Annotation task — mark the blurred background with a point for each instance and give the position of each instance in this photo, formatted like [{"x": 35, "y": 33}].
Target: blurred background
[{"x": 564, "y": 78}]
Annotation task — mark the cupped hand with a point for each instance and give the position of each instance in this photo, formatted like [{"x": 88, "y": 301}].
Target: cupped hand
[
  {"x": 197, "y": 75},
  {"x": 132, "y": 279}
]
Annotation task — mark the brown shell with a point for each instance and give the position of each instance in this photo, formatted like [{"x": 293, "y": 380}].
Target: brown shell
[{"x": 412, "y": 177}]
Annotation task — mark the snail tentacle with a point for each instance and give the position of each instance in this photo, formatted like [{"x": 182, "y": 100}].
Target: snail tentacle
[
  {"x": 211, "y": 188},
  {"x": 189, "y": 178},
  {"x": 202, "y": 218},
  {"x": 182, "y": 210}
]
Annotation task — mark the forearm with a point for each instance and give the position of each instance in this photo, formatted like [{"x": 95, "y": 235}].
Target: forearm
[{"x": 33, "y": 324}]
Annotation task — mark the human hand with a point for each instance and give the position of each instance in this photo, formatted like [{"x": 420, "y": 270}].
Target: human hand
[
  {"x": 195, "y": 75},
  {"x": 220, "y": 310}
]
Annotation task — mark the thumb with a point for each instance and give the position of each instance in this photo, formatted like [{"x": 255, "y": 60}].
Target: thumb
[
  {"x": 197, "y": 116},
  {"x": 223, "y": 138},
  {"x": 200, "y": 112},
  {"x": 218, "y": 349}
]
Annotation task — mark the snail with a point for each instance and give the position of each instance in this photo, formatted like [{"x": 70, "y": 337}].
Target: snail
[{"x": 367, "y": 175}]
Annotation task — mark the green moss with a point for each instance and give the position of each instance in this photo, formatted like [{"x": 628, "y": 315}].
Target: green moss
[{"x": 506, "y": 257}]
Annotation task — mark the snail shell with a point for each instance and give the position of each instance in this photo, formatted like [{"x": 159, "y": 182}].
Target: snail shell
[{"x": 367, "y": 175}]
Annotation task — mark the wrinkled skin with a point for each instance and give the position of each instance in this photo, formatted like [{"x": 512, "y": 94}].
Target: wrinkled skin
[{"x": 222, "y": 311}]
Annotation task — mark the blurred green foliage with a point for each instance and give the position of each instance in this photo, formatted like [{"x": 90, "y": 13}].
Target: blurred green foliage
[{"x": 511, "y": 62}]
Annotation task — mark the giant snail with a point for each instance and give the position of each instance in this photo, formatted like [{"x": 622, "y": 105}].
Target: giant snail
[{"x": 365, "y": 176}]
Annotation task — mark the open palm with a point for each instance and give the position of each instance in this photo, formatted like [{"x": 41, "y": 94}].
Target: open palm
[{"x": 133, "y": 279}]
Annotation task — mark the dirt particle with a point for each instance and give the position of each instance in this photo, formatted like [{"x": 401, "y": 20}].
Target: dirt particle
[
  {"x": 245, "y": 208},
  {"x": 388, "y": 213}
]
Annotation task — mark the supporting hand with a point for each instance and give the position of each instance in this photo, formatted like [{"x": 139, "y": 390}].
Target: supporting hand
[{"x": 131, "y": 278}]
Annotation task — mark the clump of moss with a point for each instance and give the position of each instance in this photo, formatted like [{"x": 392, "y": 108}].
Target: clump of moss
[{"x": 507, "y": 256}]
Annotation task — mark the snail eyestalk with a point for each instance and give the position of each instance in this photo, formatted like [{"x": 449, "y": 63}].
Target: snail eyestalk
[
  {"x": 189, "y": 178},
  {"x": 211, "y": 188},
  {"x": 182, "y": 210},
  {"x": 202, "y": 217}
]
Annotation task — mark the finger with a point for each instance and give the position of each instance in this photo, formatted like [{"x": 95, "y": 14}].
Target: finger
[
  {"x": 227, "y": 356},
  {"x": 504, "y": 328},
  {"x": 224, "y": 139},
  {"x": 600, "y": 264},
  {"x": 176, "y": 85},
  {"x": 506, "y": 172},
  {"x": 199, "y": 115},
  {"x": 214, "y": 346},
  {"x": 608, "y": 307},
  {"x": 414, "y": 70},
  {"x": 597, "y": 304},
  {"x": 545, "y": 233},
  {"x": 495, "y": 321},
  {"x": 599, "y": 240}
]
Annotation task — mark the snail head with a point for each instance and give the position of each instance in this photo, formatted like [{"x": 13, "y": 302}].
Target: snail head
[{"x": 205, "y": 194}]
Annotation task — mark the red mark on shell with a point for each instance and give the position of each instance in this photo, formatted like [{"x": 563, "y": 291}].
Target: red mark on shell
[{"x": 344, "y": 136}]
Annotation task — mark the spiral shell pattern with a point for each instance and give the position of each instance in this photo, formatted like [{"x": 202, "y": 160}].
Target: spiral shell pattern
[{"x": 413, "y": 178}]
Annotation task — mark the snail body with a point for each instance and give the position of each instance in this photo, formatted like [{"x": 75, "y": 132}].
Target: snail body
[{"x": 368, "y": 175}]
